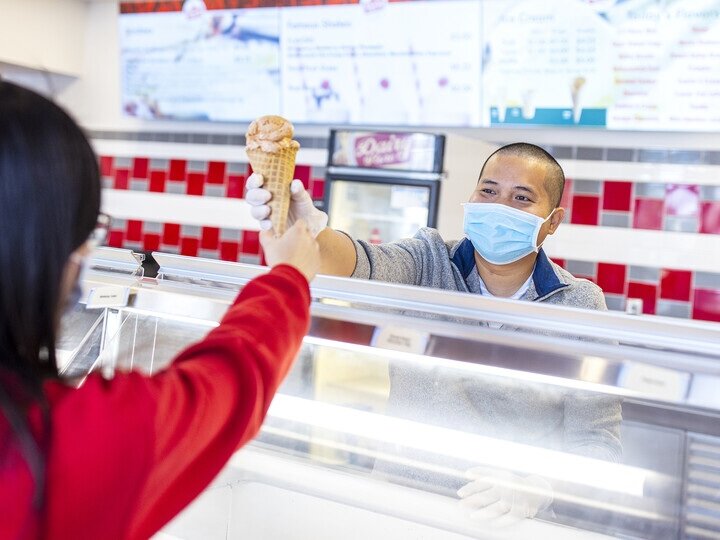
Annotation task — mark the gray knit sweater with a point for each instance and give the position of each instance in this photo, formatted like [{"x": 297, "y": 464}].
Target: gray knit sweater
[{"x": 551, "y": 417}]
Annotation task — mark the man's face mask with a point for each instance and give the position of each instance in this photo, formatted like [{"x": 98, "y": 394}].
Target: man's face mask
[{"x": 502, "y": 234}]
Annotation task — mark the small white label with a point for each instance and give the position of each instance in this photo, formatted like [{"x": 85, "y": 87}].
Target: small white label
[
  {"x": 634, "y": 306},
  {"x": 108, "y": 297},
  {"x": 655, "y": 381},
  {"x": 400, "y": 339}
]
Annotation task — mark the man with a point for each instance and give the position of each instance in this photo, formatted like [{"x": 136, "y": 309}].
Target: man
[
  {"x": 513, "y": 208},
  {"x": 521, "y": 177}
]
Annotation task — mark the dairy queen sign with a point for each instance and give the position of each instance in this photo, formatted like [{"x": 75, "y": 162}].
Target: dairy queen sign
[{"x": 387, "y": 150}]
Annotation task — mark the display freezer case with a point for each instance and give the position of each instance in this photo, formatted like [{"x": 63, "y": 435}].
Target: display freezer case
[
  {"x": 400, "y": 395},
  {"x": 383, "y": 186}
]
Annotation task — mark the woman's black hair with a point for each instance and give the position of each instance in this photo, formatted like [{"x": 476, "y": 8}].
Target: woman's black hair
[{"x": 49, "y": 204}]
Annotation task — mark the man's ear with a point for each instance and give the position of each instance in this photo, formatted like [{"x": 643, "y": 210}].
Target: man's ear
[{"x": 556, "y": 219}]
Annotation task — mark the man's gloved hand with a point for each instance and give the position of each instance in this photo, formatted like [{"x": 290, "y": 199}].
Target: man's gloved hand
[
  {"x": 503, "y": 498},
  {"x": 301, "y": 205}
]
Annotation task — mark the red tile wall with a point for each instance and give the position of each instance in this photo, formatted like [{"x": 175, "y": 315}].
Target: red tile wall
[
  {"x": 674, "y": 287},
  {"x": 646, "y": 292},
  {"x": 236, "y": 186},
  {"x": 140, "y": 167},
  {"x": 157, "y": 181},
  {"x": 176, "y": 177},
  {"x": 658, "y": 212},
  {"x": 648, "y": 214},
  {"x": 122, "y": 179},
  {"x": 585, "y": 210},
  {"x": 133, "y": 231},
  {"x": 178, "y": 169},
  {"x": 216, "y": 172},
  {"x": 710, "y": 217},
  {"x": 210, "y": 238},
  {"x": 171, "y": 234},
  {"x": 612, "y": 278},
  {"x": 706, "y": 305},
  {"x": 618, "y": 198}
]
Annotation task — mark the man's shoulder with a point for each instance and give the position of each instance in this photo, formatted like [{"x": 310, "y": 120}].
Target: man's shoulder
[
  {"x": 580, "y": 292},
  {"x": 433, "y": 239}
]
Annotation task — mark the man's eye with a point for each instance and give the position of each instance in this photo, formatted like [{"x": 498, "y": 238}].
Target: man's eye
[
  {"x": 522, "y": 198},
  {"x": 488, "y": 191}
]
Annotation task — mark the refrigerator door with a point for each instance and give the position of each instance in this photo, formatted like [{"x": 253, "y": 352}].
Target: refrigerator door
[{"x": 380, "y": 212}]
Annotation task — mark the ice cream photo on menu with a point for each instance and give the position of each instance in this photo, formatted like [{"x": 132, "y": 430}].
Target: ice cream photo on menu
[{"x": 576, "y": 92}]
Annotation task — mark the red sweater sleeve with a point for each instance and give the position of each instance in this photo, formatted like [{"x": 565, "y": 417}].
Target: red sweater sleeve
[
  {"x": 147, "y": 446},
  {"x": 217, "y": 393}
]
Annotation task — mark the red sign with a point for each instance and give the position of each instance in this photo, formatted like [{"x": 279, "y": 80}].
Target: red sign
[
  {"x": 386, "y": 150},
  {"x": 159, "y": 6},
  {"x": 383, "y": 149}
]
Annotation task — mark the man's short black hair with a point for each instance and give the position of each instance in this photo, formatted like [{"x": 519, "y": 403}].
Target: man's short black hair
[{"x": 555, "y": 177}]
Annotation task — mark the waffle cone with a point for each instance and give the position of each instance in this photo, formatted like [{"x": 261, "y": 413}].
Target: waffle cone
[{"x": 277, "y": 171}]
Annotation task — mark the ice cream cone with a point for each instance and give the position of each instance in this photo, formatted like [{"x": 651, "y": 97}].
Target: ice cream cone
[
  {"x": 277, "y": 171},
  {"x": 271, "y": 152}
]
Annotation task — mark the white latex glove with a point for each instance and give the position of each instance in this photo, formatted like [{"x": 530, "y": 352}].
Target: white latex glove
[
  {"x": 503, "y": 498},
  {"x": 301, "y": 205}
]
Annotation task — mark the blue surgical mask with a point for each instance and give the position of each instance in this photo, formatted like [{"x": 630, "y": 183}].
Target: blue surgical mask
[{"x": 502, "y": 234}]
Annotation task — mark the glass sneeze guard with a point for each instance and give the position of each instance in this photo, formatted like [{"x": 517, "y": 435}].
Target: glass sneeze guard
[{"x": 399, "y": 392}]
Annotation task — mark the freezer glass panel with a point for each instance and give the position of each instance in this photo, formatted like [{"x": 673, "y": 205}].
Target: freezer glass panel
[
  {"x": 378, "y": 212},
  {"x": 410, "y": 431},
  {"x": 404, "y": 418}
]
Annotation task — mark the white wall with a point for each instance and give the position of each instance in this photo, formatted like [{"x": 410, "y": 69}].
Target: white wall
[
  {"x": 44, "y": 35},
  {"x": 95, "y": 98}
]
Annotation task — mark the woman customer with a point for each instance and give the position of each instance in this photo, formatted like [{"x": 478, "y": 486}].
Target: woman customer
[{"x": 119, "y": 458}]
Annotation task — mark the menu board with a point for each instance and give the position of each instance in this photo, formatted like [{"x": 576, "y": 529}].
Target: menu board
[
  {"x": 406, "y": 63},
  {"x": 618, "y": 64},
  {"x": 666, "y": 65},
  {"x": 612, "y": 64},
  {"x": 546, "y": 63},
  {"x": 208, "y": 65}
]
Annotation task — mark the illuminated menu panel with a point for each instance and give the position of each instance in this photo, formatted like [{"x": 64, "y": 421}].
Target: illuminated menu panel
[
  {"x": 546, "y": 63},
  {"x": 615, "y": 64},
  {"x": 666, "y": 66},
  {"x": 220, "y": 65},
  {"x": 408, "y": 63}
]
